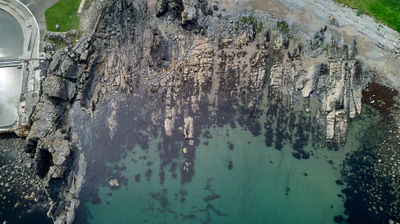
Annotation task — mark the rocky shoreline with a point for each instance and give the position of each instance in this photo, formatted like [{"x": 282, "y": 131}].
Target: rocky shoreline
[{"x": 191, "y": 54}]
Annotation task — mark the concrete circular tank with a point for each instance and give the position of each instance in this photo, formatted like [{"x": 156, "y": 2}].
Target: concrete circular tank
[
  {"x": 19, "y": 48},
  {"x": 11, "y": 38},
  {"x": 11, "y": 46}
]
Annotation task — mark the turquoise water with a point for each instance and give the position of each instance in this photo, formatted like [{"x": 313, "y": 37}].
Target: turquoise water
[
  {"x": 265, "y": 165},
  {"x": 237, "y": 178},
  {"x": 264, "y": 186}
]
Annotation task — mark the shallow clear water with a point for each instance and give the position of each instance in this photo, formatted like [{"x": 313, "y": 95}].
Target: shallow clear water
[
  {"x": 11, "y": 36},
  {"x": 264, "y": 186},
  {"x": 235, "y": 178}
]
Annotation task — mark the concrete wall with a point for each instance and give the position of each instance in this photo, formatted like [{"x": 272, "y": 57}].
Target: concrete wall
[{"x": 28, "y": 25}]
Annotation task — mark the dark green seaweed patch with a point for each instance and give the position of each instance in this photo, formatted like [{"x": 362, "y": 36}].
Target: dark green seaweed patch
[{"x": 372, "y": 196}]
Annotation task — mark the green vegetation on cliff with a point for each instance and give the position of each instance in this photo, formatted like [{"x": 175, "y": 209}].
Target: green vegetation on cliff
[
  {"x": 63, "y": 13},
  {"x": 386, "y": 11},
  {"x": 249, "y": 20}
]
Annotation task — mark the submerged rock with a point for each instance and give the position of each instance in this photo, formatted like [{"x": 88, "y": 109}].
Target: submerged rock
[{"x": 113, "y": 183}]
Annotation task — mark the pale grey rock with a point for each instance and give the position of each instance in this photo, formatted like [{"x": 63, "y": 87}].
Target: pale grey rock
[
  {"x": 311, "y": 78},
  {"x": 53, "y": 67},
  {"x": 189, "y": 14},
  {"x": 188, "y": 129}
]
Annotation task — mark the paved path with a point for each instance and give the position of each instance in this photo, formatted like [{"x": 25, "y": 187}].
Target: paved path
[{"x": 38, "y": 7}]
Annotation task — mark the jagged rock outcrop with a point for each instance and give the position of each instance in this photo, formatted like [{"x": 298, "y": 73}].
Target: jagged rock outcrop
[
  {"x": 190, "y": 12},
  {"x": 58, "y": 158},
  {"x": 335, "y": 78}
]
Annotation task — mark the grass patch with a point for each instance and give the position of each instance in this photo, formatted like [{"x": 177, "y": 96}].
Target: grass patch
[
  {"x": 61, "y": 42},
  {"x": 57, "y": 43},
  {"x": 249, "y": 20},
  {"x": 385, "y": 11},
  {"x": 284, "y": 28},
  {"x": 63, "y": 13}
]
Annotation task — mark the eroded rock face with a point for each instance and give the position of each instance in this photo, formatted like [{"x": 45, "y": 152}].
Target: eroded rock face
[{"x": 197, "y": 67}]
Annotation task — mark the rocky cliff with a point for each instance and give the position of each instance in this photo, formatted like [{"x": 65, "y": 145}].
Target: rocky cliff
[{"x": 190, "y": 55}]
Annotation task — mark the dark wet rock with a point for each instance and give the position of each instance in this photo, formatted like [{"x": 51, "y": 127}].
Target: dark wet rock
[
  {"x": 230, "y": 165},
  {"x": 339, "y": 182},
  {"x": 339, "y": 219},
  {"x": 137, "y": 177},
  {"x": 161, "y": 51},
  {"x": 379, "y": 96},
  {"x": 43, "y": 163},
  {"x": 148, "y": 174},
  {"x": 211, "y": 197},
  {"x": 230, "y": 145},
  {"x": 296, "y": 155}
]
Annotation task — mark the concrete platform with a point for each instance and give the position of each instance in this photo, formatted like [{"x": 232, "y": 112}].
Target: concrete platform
[{"x": 19, "y": 78}]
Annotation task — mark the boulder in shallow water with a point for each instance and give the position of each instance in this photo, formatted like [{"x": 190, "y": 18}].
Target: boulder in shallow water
[{"x": 113, "y": 183}]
